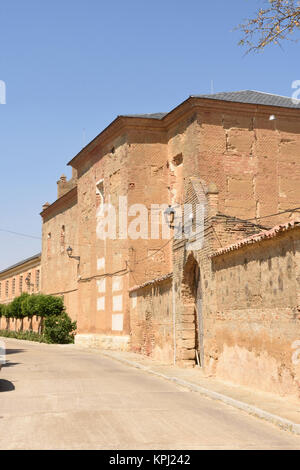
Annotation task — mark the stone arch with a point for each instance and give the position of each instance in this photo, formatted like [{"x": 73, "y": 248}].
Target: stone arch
[{"x": 191, "y": 319}]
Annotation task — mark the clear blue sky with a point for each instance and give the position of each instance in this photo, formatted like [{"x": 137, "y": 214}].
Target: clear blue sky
[{"x": 71, "y": 65}]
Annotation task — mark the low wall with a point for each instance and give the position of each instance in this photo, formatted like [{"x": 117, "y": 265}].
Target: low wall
[
  {"x": 151, "y": 320},
  {"x": 97, "y": 341},
  {"x": 256, "y": 325},
  {"x": 16, "y": 324}
]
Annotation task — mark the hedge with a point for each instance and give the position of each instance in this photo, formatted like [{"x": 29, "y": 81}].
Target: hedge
[
  {"x": 55, "y": 325},
  {"x": 28, "y": 335}
]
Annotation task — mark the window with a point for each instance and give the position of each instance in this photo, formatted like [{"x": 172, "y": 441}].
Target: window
[
  {"x": 49, "y": 244},
  {"x": 6, "y": 288},
  {"x": 62, "y": 239},
  {"x": 21, "y": 284},
  {"x": 13, "y": 286},
  {"x": 37, "y": 280}
]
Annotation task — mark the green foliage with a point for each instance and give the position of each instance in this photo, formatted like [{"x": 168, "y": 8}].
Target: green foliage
[
  {"x": 2, "y": 310},
  {"x": 30, "y": 306},
  {"x": 59, "y": 329},
  {"x": 15, "y": 307},
  {"x": 48, "y": 305},
  {"x": 8, "y": 311},
  {"x": 27, "y": 335}
]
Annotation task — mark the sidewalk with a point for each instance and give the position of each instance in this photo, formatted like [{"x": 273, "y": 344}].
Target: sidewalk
[{"x": 277, "y": 410}]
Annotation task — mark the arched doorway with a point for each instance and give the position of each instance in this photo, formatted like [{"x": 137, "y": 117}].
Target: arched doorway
[{"x": 192, "y": 321}]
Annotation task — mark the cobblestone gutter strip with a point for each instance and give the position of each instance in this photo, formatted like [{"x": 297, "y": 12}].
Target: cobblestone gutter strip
[{"x": 283, "y": 423}]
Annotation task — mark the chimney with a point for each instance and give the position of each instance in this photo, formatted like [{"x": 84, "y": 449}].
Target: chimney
[
  {"x": 61, "y": 183},
  {"x": 45, "y": 206}
]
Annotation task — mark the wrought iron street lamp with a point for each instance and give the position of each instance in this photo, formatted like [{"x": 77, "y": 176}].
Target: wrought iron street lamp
[{"x": 70, "y": 253}]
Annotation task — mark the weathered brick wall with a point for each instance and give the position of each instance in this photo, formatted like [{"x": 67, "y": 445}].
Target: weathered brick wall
[
  {"x": 257, "y": 318},
  {"x": 104, "y": 278},
  {"x": 252, "y": 160},
  {"x": 194, "y": 283},
  {"x": 152, "y": 321},
  {"x": 59, "y": 231},
  {"x": 135, "y": 169},
  {"x": 148, "y": 179},
  {"x": 228, "y": 230}
]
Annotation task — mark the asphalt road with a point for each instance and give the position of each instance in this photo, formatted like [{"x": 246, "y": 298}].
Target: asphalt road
[{"x": 59, "y": 397}]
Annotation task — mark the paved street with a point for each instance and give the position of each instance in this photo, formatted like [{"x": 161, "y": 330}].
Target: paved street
[{"x": 59, "y": 397}]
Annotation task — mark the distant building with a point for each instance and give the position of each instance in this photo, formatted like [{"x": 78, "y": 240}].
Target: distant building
[{"x": 24, "y": 276}]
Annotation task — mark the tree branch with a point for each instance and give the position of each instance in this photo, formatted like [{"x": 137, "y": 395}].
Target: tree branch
[{"x": 271, "y": 25}]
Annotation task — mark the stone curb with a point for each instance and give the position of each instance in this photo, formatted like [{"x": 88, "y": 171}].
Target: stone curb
[{"x": 282, "y": 423}]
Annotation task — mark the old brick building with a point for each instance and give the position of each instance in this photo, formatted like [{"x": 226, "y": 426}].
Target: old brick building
[
  {"x": 235, "y": 155},
  {"x": 21, "y": 277},
  {"x": 24, "y": 276}
]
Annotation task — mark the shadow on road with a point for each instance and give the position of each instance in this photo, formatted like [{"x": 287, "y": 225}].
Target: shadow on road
[
  {"x": 14, "y": 351},
  {"x": 6, "y": 386},
  {"x": 10, "y": 364}
]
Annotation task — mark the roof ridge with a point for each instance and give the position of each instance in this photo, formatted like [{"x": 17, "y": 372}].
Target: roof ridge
[
  {"x": 244, "y": 91},
  {"x": 272, "y": 94}
]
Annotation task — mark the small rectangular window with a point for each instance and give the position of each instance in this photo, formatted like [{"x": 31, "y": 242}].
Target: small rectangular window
[
  {"x": 49, "y": 245},
  {"x": 37, "y": 279}
]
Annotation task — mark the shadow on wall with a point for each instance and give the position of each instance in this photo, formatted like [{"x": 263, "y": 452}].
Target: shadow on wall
[{"x": 6, "y": 386}]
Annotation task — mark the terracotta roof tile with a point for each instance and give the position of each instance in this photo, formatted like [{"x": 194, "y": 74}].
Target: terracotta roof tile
[
  {"x": 266, "y": 234},
  {"x": 152, "y": 282}
]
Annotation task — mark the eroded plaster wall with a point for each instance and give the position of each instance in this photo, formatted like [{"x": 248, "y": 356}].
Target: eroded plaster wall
[
  {"x": 59, "y": 272},
  {"x": 257, "y": 315},
  {"x": 133, "y": 167},
  {"x": 103, "y": 284},
  {"x": 152, "y": 321}
]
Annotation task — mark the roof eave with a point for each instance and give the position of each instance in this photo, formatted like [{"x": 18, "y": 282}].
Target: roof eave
[
  {"x": 36, "y": 257},
  {"x": 118, "y": 124}
]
